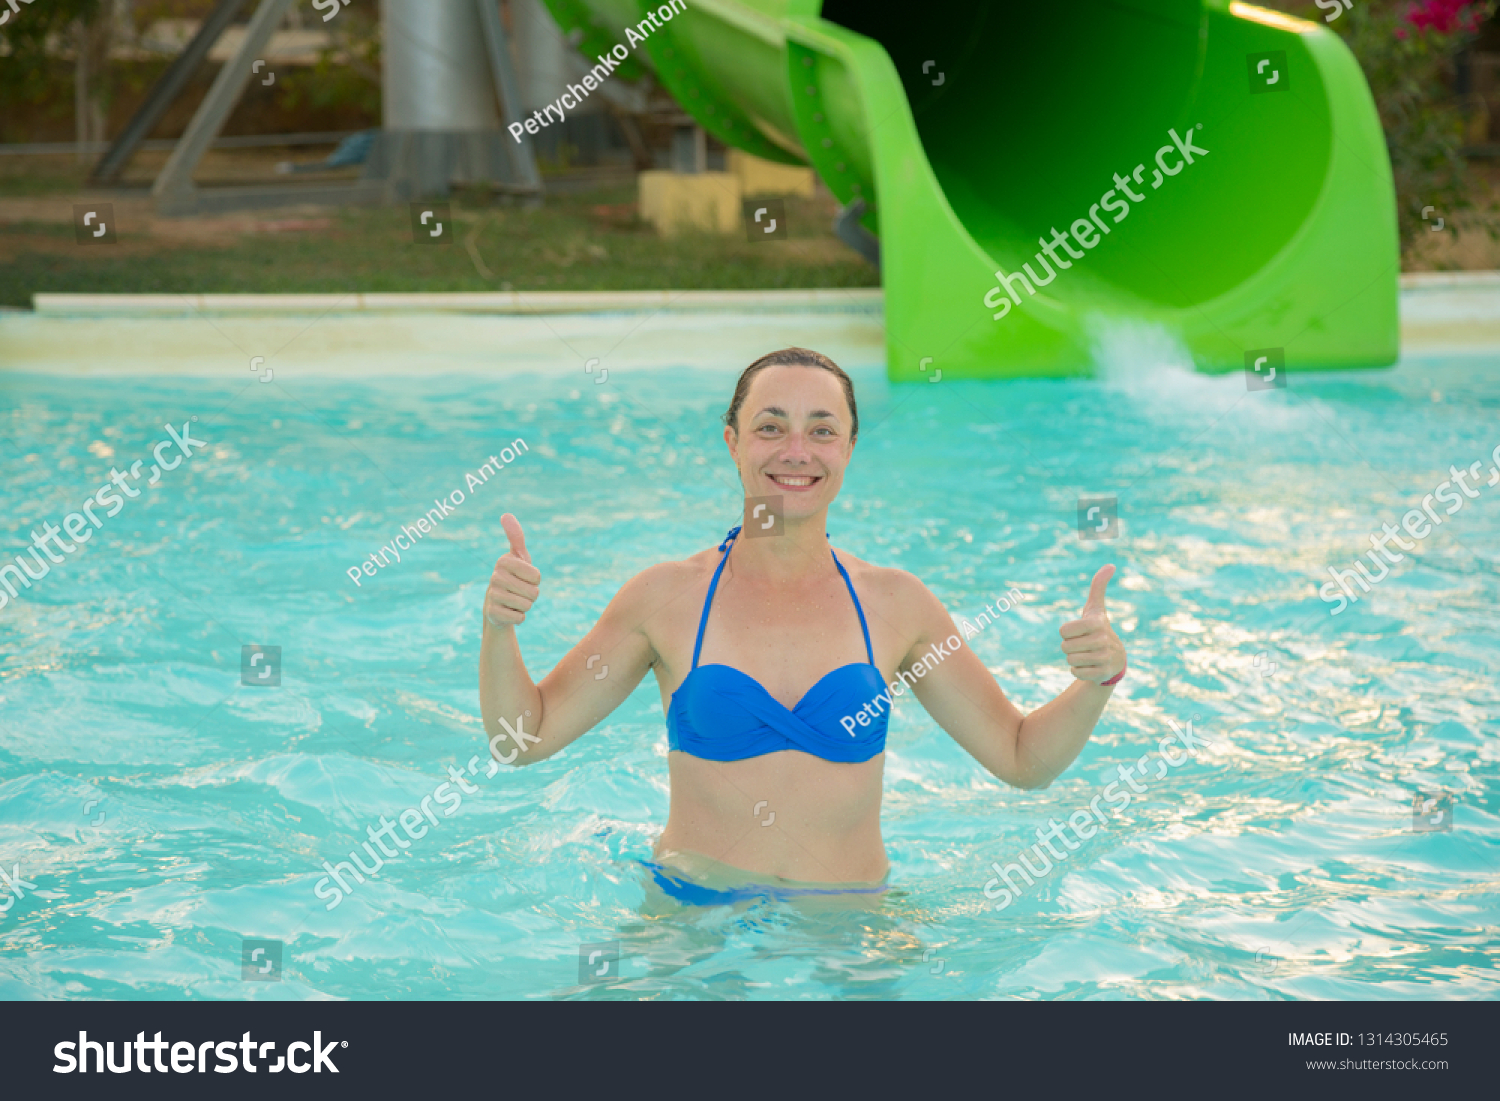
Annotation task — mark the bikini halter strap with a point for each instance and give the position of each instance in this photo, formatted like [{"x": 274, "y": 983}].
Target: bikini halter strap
[{"x": 713, "y": 587}]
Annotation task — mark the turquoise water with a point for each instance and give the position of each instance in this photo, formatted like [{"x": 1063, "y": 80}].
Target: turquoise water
[{"x": 1279, "y": 861}]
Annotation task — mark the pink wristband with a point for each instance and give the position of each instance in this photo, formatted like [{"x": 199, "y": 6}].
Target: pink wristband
[{"x": 1114, "y": 679}]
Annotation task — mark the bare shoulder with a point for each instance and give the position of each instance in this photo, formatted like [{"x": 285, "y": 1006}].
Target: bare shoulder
[
  {"x": 900, "y": 601},
  {"x": 896, "y": 590},
  {"x": 659, "y": 587}
]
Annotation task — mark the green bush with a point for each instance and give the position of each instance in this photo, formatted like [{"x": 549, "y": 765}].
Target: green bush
[
  {"x": 347, "y": 73},
  {"x": 1407, "y": 51},
  {"x": 30, "y": 75}
]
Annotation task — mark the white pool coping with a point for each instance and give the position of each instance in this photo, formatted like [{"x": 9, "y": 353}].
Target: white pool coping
[
  {"x": 860, "y": 299},
  {"x": 1424, "y": 289},
  {"x": 410, "y": 335},
  {"x": 386, "y": 334},
  {"x": 1450, "y": 311}
]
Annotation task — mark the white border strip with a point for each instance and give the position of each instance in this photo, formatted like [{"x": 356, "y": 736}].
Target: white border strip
[
  {"x": 1444, "y": 280},
  {"x": 853, "y": 299}
]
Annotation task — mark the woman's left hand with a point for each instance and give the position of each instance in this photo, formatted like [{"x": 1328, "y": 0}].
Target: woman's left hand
[{"x": 1095, "y": 652}]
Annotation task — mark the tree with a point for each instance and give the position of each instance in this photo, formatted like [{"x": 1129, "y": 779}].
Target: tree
[{"x": 1408, "y": 52}]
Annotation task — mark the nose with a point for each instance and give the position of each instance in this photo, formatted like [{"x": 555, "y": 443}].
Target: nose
[{"x": 795, "y": 450}]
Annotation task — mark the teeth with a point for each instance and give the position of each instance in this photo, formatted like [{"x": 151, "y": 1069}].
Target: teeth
[{"x": 781, "y": 479}]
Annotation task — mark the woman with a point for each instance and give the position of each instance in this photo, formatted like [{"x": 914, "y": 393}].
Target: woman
[{"x": 772, "y": 654}]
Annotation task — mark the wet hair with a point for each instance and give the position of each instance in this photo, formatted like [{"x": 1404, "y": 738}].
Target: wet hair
[{"x": 792, "y": 357}]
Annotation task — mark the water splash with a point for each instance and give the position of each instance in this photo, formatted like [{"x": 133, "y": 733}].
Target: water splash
[
  {"x": 1148, "y": 363},
  {"x": 1135, "y": 351}
]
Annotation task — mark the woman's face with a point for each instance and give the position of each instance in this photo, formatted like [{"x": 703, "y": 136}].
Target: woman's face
[{"x": 793, "y": 439}]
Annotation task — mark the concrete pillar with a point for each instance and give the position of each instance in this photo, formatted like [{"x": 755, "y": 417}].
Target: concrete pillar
[
  {"x": 543, "y": 63},
  {"x": 438, "y": 102},
  {"x": 434, "y": 73}
]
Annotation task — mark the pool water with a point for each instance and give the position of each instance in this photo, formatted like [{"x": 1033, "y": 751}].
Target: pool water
[{"x": 165, "y": 813}]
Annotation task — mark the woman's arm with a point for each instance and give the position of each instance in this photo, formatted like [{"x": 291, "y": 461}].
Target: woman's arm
[
  {"x": 1026, "y": 751},
  {"x": 527, "y": 722}
]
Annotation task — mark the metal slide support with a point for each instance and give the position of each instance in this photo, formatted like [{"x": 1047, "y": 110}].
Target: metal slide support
[
  {"x": 847, "y": 228},
  {"x": 167, "y": 89},
  {"x": 176, "y": 179},
  {"x": 522, "y": 157}
]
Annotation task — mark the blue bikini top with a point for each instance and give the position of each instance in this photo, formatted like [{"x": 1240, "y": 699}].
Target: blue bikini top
[{"x": 721, "y": 714}]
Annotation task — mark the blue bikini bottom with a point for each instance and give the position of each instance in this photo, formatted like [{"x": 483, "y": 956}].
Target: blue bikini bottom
[{"x": 695, "y": 894}]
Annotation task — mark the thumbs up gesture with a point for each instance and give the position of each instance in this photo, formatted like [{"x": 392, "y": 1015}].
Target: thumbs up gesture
[
  {"x": 515, "y": 584},
  {"x": 1095, "y": 652}
]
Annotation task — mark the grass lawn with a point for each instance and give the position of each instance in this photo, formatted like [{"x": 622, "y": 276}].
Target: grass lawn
[{"x": 583, "y": 241}]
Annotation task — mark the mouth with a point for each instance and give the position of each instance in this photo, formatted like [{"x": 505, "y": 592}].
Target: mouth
[{"x": 798, "y": 482}]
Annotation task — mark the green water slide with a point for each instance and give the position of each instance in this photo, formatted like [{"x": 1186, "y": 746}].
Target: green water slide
[{"x": 1207, "y": 167}]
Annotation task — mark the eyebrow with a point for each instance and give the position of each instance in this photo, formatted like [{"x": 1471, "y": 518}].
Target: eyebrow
[{"x": 777, "y": 411}]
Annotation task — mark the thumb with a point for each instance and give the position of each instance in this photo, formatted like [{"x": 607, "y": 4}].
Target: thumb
[
  {"x": 1095, "y": 603},
  {"x": 517, "y": 537}
]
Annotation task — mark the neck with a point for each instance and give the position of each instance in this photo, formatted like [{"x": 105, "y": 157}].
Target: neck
[{"x": 799, "y": 551}]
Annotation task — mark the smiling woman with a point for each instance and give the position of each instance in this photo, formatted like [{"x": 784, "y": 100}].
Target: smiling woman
[{"x": 760, "y": 646}]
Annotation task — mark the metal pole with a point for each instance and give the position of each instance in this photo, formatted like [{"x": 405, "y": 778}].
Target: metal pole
[
  {"x": 81, "y": 90},
  {"x": 176, "y": 177},
  {"x": 522, "y": 157},
  {"x": 167, "y": 89}
]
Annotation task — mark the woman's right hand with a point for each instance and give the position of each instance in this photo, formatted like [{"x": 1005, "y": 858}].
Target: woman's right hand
[{"x": 515, "y": 584}]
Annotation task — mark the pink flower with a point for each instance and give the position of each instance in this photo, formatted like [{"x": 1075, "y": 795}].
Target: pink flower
[{"x": 1443, "y": 16}]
